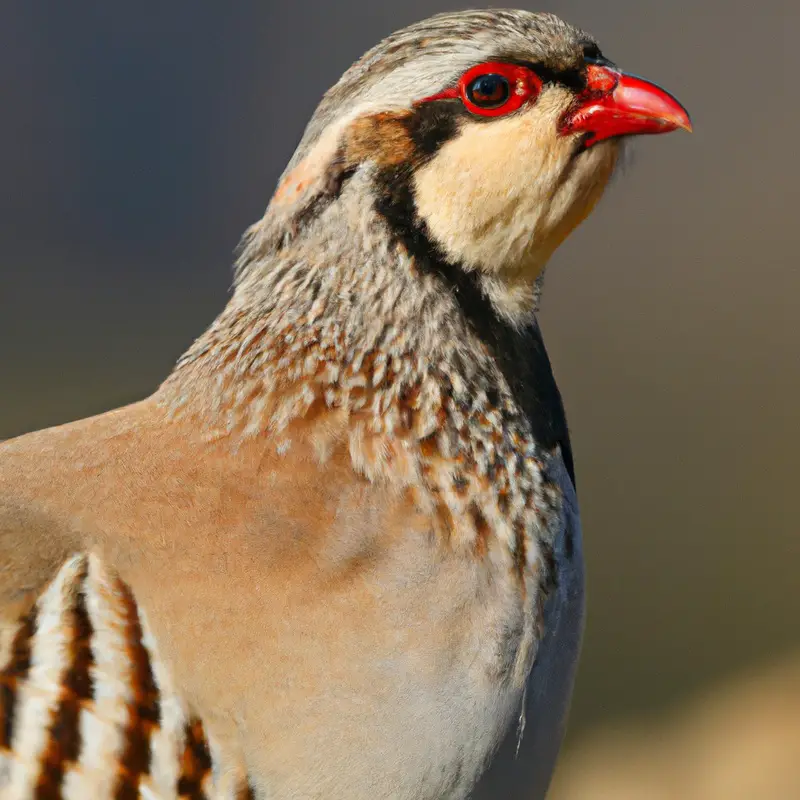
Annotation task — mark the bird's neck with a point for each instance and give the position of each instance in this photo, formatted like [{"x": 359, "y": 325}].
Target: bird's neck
[
  {"x": 342, "y": 314},
  {"x": 353, "y": 345},
  {"x": 353, "y": 307}
]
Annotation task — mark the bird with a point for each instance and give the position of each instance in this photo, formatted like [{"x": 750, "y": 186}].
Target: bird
[{"x": 337, "y": 552}]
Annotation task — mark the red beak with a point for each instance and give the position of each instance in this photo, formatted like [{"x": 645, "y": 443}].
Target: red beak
[{"x": 616, "y": 104}]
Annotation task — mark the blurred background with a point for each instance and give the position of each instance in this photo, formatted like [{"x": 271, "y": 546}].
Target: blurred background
[{"x": 138, "y": 140}]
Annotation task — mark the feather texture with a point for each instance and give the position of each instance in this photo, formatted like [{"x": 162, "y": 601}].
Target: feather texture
[{"x": 88, "y": 710}]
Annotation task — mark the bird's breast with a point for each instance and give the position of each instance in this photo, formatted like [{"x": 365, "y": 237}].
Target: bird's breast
[{"x": 386, "y": 670}]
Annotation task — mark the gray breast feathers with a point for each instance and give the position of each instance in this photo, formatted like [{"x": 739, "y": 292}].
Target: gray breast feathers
[{"x": 525, "y": 761}]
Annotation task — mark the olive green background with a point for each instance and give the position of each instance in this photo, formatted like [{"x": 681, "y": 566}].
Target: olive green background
[{"x": 138, "y": 140}]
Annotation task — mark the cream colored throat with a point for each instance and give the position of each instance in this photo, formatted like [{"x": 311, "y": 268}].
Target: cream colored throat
[{"x": 504, "y": 194}]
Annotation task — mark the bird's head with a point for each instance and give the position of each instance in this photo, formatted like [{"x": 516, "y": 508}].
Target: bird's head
[{"x": 485, "y": 137}]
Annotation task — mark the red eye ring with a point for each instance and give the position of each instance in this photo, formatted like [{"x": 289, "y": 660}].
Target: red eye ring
[{"x": 523, "y": 85}]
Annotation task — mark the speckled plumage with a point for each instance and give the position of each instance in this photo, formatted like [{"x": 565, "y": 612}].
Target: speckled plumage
[{"x": 337, "y": 554}]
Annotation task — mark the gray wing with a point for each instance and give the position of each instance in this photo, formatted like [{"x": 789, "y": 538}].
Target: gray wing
[{"x": 526, "y": 775}]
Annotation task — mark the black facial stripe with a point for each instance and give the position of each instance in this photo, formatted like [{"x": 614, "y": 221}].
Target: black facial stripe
[
  {"x": 432, "y": 124},
  {"x": 591, "y": 50},
  {"x": 520, "y": 354},
  {"x": 592, "y": 55},
  {"x": 573, "y": 79}
]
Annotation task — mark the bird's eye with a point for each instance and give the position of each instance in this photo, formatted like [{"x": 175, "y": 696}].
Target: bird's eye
[
  {"x": 496, "y": 88},
  {"x": 492, "y": 89},
  {"x": 488, "y": 91}
]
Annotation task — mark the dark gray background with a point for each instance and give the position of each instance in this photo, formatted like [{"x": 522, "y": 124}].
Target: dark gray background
[{"x": 138, "y": 140}]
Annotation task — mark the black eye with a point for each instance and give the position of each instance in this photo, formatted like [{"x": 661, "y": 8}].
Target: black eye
[{"x": 488, "y": 91}]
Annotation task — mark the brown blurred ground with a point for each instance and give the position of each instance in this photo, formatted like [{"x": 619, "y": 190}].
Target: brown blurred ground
[
  {"x": 138, "y": 140},
  {"x": 738, "y": 742}
]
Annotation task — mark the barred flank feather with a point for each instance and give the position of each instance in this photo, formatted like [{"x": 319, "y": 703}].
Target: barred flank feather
[{"x": 87, "y": 709}]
